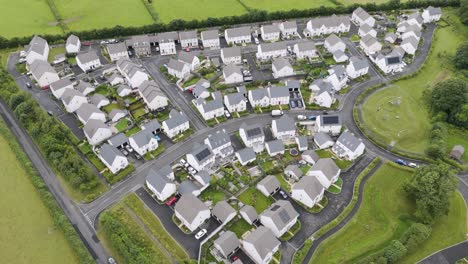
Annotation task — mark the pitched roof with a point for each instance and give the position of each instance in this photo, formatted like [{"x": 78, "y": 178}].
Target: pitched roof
[
  {"x": 281, "y": 213},
  {"x": 87, "y": 56},
  {"x": 280, "y": 63},
  {"x": 246, "y": 154},
  {"x": 184, "y": 35},
  {"x": 116, "y": 48},
  {"x": 231, "y": 52},
  {"x": 310, "y": 185},
  {"x": 189, "y": 206},
  {"x": 327, "y": 166},
  {"x": 118, "y": 140},
  {"x": 263, "y": 240},
  {"x": 285, "y": 123},
  {"x": 210, "y": 34},
  {"x": 176, "y": 119},
  {"x": 270, "y": 183},
  {"x": 238, "y": 32},
  {"x": 86, "y": 110},
  {"x": 109, "y": 153},
  {"x": 222, "y": 210},
  {"x": 92, "y": 126},
  {"x": 72, "y": 40},
  {"x": 349, "y": 140},
  {"x": 157, "y": 180}
]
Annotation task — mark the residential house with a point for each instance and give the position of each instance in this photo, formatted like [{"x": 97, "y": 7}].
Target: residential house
[
  {"x": 210, "y": 109},
  {"x": 140, "y": 45},
  {"x": 87, "y": 112},
  {"x": 231, "y": 55},
  {"x": 227, "y": 243},
  {"x": 302, "y": 144},
  {"x": 43, "y": 73},
  {"x": 357, "y": 67},
  {"x": 72, "y": 100},
  {"x": 308, "y": 191},
  {"x": 339, "y": 56},
  {"x": 322, "y": 93},
  {"x": 235, "y": 102},
  {"x": 279, "y": 95},
  {"x": 326, "y": 172},
  {"x": 238, "y": 35},
  {"x": 370, "y": 45},
  {"x": 232, "y": 73},
  {"x": 223, "y": 212},
  {"x": 274, "y": 147},
  {"x": 270, "y": 32},
  {"x": 288, "y": 28},
  {"x": 178, "y": 69},
  {"x": 260, "y": 245},
  {"x": 389, "y": 63},
  {"x": 365, "y": 29},
  {"x": 310, "y": 156},
  {"x": 38, "y": 49},
  {"x": 166, "y": 42},
  {"x": 161, "y": 186},
  {"x": 245, "y": 156},
  {"x": 96, "y": 131},
  {"x": 191, "y": 211},
  {"x": 279, "y": 217},
  {"x": 327, "y": 25},
  {"x": 117, "y": 114},
  {"x": 390, "y": 37},
  {"x": 132, "y": 72},
  {"x": 249, "y": 214},
  {"x": 252, "y": 136},
  {"x": 152, "y": 95},
  {"x": 305, "y": 50},
  {"x": 333, "y": 43},
  {"x": 116, "y": 79},
  {"x": 143, "y": 142},
  {"x": 176, "y": 124},
  {"x": 201, "y": 157},
  {"x": 267, "y": 51},
  {"x": 112, "y": 158},
  {"x": 348, "y": 146},
  {"x": 283, "y": 128},
  {"x": 117, "y": 51},
  {"x": 268, "y": 185},
  {"x": 361, "y": 17},
  {"x": 281, "y": 67},
  {"x": 323, "y": 140},
  {"x": 337, "y": 77},
  {"x": 329, "y": 124},
  {"x": 190, "y": 59},
  {"x": 73, "y": 44},
  {"x": 431, "y": 14},
  {"x": 210, "y": 39},
  {"x": 188, "y": 39},
  {"x": 220, "y": 144},
  {"x": 88, "y": 61},
  {"x": 410, "y": 45},
  {"x": 259, "y": 97},
  {"x": 99, "y": 100},
  {"x": 124, "y": 90},
  {"x": 293, "y": 171},
  {"x": 58, "y": 87}
]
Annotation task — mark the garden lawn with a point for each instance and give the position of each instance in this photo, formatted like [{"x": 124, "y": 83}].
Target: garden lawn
[
  {"x": 386, "y": 220},
  {"x": 28, "y": 232},
  {"x": 200, "y": 9},
  {"x": 406, "y": 126},
  {"x": 283, "y": 5},
  {"x": 26, "y": 17},
  {"x": 90, "y": 14},
  {"x": 255, "y": 198}
]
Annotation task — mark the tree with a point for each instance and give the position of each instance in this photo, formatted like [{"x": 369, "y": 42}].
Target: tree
[
  {"x": 461, "y": 57},
  {"x": 431, "y": 188},
  {"x": 394, "y": 251}
]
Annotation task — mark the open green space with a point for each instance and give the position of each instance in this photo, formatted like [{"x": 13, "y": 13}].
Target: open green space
[
  {"x": 385, "y": 215},
  {"x": 282, "y": 5},
  {"x": 26, "y": 17},
  {"x": 29, "y": 234},
  {"x": 89, "y": 14},
  {"x": 397, "y": 115},
  {"x": 255, "y": 198}
]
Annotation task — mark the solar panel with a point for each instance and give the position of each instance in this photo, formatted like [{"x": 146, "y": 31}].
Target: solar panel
[
  {"x": 393, "y": 60},
  {"x": 203, "y": 154},
  {"x": 327, "y": 120},
  {"x": 284, "y": 216},
  {"x": 254, "y": 132}
]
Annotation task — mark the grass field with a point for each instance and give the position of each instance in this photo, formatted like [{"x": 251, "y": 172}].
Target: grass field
[
  {"x": 381, "y": 111},
  {"x": 89, "y": 14},
  {"x": 278, "y": 5},
  {"x": 383, "y": 216},
  {"x": 28, "y": 233},
  {"x": 200, "y": 9}
]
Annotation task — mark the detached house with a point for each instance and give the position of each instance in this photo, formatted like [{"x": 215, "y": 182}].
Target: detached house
[
  {"x": 210, "y": 39},
  {"x": 270, "y": 32},
  {"x": 166, "y": 42},
  {"x": 361, "y": 17},
  {"x": 132, "y": 72},
  {"x": 140, "y": 45},
  {"x": 322, "y": 93},
  {"x": 323, "y": 140},
  {"x": 88, "y": 61},
  {"x": 96, "y": 131},
  {"x": 73, "y": 44},
  {"x": 370, "y": 45},
  {"x": 259, "y": 97},
  {"x": 210, "y": 109},
  {"x": 288, "y": 28},
  {"x": 274, "y": 147},
  {"x": 178, "y": 69},
  {"x": 43, "y": 73},
  {"x": 283, "y": 128},
  {"x": 177, "y": 123},
  {"x": 260, "y": 245},
  {"x": 357, "y": 67},
  {"x": 72, "y": 100},
  {"x": 223, "y": 212},
  {"x": 367, "y": 30},
  {"x": 282, "y": 68},
  {"x": 238, "y": 35},
  {"x": 220, "y": 144},
  {"x": 252, "y": 136},
  {"x": 245, "y": 156},
  {"x": 191, "y": 211},
  {"x": 308, "y": 191},
  {"x": 279, "y": 95},
  {"x": 58, "y": 88},
  {"x": 268, "y": 51},
  {"x": 188, "y": 39},
  {"x": 338, "y": 77},
  {"x": 38, "y": 49},
  {"x": 190, "y": 59},
  {"x": 232, "y": 73},
  {"x": 231, "y": 55},
  {"x": 152, "y": 95},
  {"x": 279, "y": 217},
  {"x": 268, "y": 185},
  {"x": 143, "y": 142},
  {"x": 161, "y": 186},
  {"x": 348, "y": 146},
  {"x": 327, "y": 25},
  {"x": 235, "y": 102},
  {"x": 326, "y": 172},
  {"x": 329, "y": 124},
  {"x": 117, "y": 51},
  {"x": 227, "y": 243},
  {"x": 305, "y": 50},
  {"x": 431, "y": 14},
  {"x": 333, "y": 43},
  {"x": 201, "y": 157},
  {"x": 87, "y": 112},
  {"x": 112, "y": 158}
]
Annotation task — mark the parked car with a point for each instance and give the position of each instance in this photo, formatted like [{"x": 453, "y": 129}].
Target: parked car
[
  {"x": 200, "y": 234},
  {"x": 301, "y": 117},
  {"x": 137, "y": 156},
  {"x": 128, "y": 148},
  {"x": 401, "y": 162},
  {"x": 283, "y": 194},
  {"x": 171, "y": 201}
]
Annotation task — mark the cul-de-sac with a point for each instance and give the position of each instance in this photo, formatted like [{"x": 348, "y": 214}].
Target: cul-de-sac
[{"x": 234, "y": 131}]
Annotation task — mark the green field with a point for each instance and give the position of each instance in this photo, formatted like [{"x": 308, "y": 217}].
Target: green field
[
  {"x": 89, "y": 14},
  {"x": 396, "y": 115},
  {"x": 28, "y": 232},
  {"x": 282, "y": 5},
  {"x": 383, "y": 216}
]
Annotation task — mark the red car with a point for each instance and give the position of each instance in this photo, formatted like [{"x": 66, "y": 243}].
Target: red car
[{"x": 171, "y": 201}]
